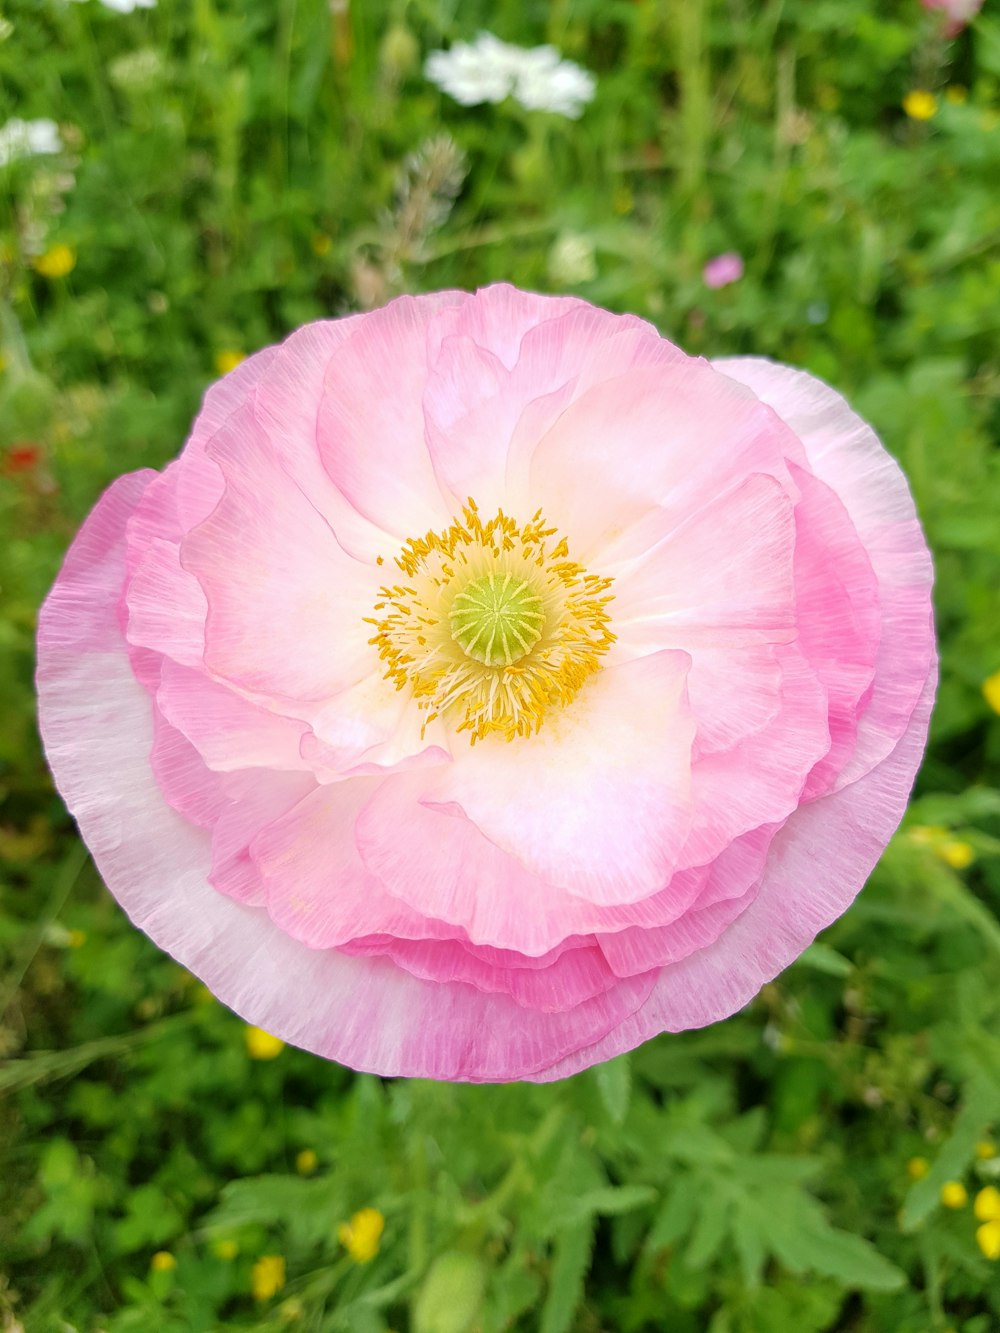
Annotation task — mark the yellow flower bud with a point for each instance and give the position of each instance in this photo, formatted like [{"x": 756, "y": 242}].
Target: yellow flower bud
[
  {"x": 267, "y": 1276},
  {"x": 261, "y": 1045},
  {"x": 987, "y": 1204},
  {"x": 988, "y": 1239},
  {"x": 920, "y": 104},
  {"x": 954, "y": 1194},
  {"x": 162, "y": 1261},
  {"x": 361, "y": 1235},
  {"x": 956, "y": 853},
  {"x": 985, "y": 1149},
  {"x": 228, "y": 359},
  {"x": 917, "y": 1168},
  {"x": 306, "y": 1162},
  {"x": 226, "y": 1249},
  {"x": 56, "y": 262},
  {"x": 991, "y": 691}
]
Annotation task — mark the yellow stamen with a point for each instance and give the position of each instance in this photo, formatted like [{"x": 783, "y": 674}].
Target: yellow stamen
[{"x": 493, "y": 624}]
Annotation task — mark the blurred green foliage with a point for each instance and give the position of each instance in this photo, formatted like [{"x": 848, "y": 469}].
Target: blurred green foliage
[{"x": 231, "y": 170}]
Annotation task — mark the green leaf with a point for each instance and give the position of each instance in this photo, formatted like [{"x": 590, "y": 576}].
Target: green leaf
[
  {"x": 450, "y": 1296},
  {"x": 822, "y": 958},
  {"x": 571, "y": 1261},
  {"x": 979, "y": 1109},
  {"x": 805, "y": 1242},
  {"x": 614, "y": 1082}
]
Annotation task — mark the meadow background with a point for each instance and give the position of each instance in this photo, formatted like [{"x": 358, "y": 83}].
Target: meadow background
[{"x": 233, "y": 168}]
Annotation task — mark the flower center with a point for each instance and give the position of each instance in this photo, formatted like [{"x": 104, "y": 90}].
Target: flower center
[
  {"x": 492, "y": 625},
  {"x": 497, "y": 618}
]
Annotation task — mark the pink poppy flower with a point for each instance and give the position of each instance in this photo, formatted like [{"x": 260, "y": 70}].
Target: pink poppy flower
[
  {"x": 957, "y": 12},
  {"x": 723, "y": 269},
  {"x": 489, "y": 686}
]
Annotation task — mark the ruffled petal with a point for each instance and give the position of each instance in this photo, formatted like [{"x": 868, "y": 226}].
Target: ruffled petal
[
  {"x": 286, "y": 603},
  {"x": 96, "y": 722},
  {"x": 818, "y": 863},
  {"x": 845, "y": 452},
  {"x": 599, "y": 800}
]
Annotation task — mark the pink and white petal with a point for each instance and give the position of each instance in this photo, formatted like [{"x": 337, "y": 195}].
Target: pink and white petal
[
  {"x": 845, "y": 452},
  {"x": 727, "y": 884},
  {"x": 318, "y": 888},
  {"x": 286, "y": 604},
  {"x": 818, "y": 863},
  {"x": 166, "y": 605},
  {"x": 574, "y": 976},
  {"x": 370, "y": 425},
  {"x": 96, "y": 722},
  {"x": 199, "y": 482},
  {"x": 664, "y": 436},
  {"x": 721, "y": 577},
  {"x": 287, "y": 400},
  {"x": 633, "y": 952},
  {"x": 837, "y": 599},
  {"x": 258, "y": 798},
  {"x": 228, "y": 731},
  {"x": 502, "y": 369},
  {"x": 734, "y": 693},
  {"x": 186, "y": 782},
  {"x": 598, "y": 801},
  {"x": 762, "y": 779},
  {"x": 371, "y": 727}
]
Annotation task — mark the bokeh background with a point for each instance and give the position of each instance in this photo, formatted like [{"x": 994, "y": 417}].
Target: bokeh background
[{"x": 225, "y": 170}]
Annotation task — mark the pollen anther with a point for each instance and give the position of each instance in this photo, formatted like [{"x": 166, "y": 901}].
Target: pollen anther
[{"x": 494, "y": 625}]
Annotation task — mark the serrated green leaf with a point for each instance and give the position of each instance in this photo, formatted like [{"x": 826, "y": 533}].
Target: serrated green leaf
[
  {"x": 711, "y": 1228},
  {"x": 450, "y": 1296},
  {"x": 614, "y": 1083},
  {"x": 803, "y": 1240},
  {"x": 571, "y": 1260},
  {"x": 821, "y": 958},
  {"x": 979, "y": 1108},
  {"x": 675, "y": 1218}
]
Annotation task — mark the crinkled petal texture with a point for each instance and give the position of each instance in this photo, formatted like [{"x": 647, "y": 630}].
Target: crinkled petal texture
[{"x": 347, "y": 870}]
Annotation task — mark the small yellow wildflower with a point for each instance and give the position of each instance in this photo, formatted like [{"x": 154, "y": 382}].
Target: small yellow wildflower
[
  {"x": 988, "y": 1239},
  {"x": 985, "y": 1149},
  {"x": 954, "y": 1194},
  {"x": 924, "y": 835},
  {"x": 956, "y": 853},
  {"x": 56, "y": 262},
  {"x": 991, "y": 691},
  {"x": 228, "y": 359},
  {"x": 162, "y": 1261},
  {"x": 321, "y": 244},
  {"x": 957, "y": 95},
  {"x": 917, "y": 1168},
  {"x": 920, "y": 104},
  {"x": 226, "y": 1249},
  {"x": 267, "y": 1276},
  {"x": 261, "y": 1045},
  {"x": 361, "y": 1235},
  {"x": 987, "y": 1204},
  {"x": 306, "y": 1162}
]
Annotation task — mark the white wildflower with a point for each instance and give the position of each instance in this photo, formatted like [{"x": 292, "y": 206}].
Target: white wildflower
[
  {"x": 126, "y": 6},
  {"x": 547, "y": 83},
  {"x": 572, "y": 260},
  {"x": 488, "y": 70},
  {"x": 28, "y": 138}
]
